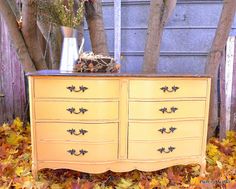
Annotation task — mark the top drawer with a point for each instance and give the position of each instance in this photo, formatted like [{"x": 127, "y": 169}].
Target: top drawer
[
  {"x": 75, "y": 88},
  {"x": 168, "y": 88}
]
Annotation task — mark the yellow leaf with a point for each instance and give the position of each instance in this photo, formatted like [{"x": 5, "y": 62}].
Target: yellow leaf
[
  {"x": 225, "y": 142},
  {"x": 232, "y": 161},
  {"x": 18, "y": 123},
  {"x": 212, "y": 150},
  {"x": 13, "y": 151},
  {"x": 19, "y": 171},
  {"x": 96, "y": 187},
  {"x": 28, "y": 128},
  {"x": 13, "y": 138},
  {"x": 194, "y": 181},
  {"x": 124, "y": 183},
  {"x": 231, "y": 135},
  {"x": 136, "y": 186},
  {"x": 56, "y": 186},
  {"x": 164, "y": 181},
  {"x": 154, "y": 183}
]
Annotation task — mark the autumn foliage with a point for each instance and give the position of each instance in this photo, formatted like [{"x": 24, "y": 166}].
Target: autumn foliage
[{"x": 15, "y": 168}]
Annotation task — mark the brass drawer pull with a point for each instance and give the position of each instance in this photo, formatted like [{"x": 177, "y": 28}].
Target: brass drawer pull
[
  {"x": 163, "y": 150},
  {"x": 171, "y": 130},
  {"x": 73, "y": 111},
  {"x": 165, "y": 110},
  {"x": 73, "y": 152},
  {"x": 72, "y": 88},
  {"x": 173, "y": 89},
  {"x": 73, "y": 132}
]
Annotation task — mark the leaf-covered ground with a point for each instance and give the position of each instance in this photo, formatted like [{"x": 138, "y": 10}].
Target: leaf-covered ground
[{"x": 15, "y": 168}]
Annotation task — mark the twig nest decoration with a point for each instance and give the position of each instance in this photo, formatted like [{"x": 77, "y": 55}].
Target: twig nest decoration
[{"x": 89, "y": 62}]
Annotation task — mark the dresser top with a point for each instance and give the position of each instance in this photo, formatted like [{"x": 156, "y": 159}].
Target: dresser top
[{"x": 60, "y": 73}]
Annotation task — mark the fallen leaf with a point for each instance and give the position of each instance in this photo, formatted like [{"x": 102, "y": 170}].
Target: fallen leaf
[
  {"x": 219, "y": 164},
  {"x": 164, "y": 181}
]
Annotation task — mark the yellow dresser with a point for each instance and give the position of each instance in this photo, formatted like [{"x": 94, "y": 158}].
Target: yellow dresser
[{"x": 119, "y": 122}]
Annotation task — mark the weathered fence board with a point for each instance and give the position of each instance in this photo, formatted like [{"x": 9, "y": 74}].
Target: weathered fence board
[
  {"x": 233, "y": 95},
  {"x": 12, "y": 81},
  {"x": 228, "y": 89}
]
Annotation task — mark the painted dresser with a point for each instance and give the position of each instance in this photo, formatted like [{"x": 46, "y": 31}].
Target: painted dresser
[{"x": 119, "y": 122}]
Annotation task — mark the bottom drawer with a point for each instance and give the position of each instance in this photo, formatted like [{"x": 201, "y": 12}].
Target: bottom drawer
[
  {"x": 76, "y": 152},
  {"x": 164, "y": 149}
]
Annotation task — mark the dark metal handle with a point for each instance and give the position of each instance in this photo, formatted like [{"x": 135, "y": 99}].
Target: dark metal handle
[
  {"x": 72, "y": 88},
  {"x": 171, "y": 130},
  {"x": 73, "y": 152},
  {"x": 163, "y": 150},
  {"x": 73, "y": 111},
  {"x": 73, "y": 132},
  {"x": 165, "y": 110},
  {"x": 173, "y": 89}
]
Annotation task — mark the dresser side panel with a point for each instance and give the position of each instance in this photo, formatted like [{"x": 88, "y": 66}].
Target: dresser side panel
[{"x": 32, "y": 123}]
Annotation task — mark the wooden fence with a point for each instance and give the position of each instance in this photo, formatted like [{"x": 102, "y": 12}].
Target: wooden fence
[{"x": 12, "y": 80}]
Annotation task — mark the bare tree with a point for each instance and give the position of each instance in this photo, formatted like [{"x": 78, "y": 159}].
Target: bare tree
[
  {"x": 215, "y": 57},
  {"x": 16, "y": 36},
  {"x": 160, "y": 11}
]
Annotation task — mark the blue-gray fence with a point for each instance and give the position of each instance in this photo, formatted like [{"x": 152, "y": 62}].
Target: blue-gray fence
[{"x": 187, "y": 36}]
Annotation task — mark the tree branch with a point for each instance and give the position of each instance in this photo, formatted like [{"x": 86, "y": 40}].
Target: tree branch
[{"x": 16, "y": 37}]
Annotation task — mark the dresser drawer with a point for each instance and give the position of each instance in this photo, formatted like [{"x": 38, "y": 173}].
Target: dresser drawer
[
  {"x": 76, "y": 152},
  {"x": 76, "y": 88},
  {"x": 166, "y": 110},
  {"x": 59, "y": 110},
  {"x": 77, "y": 132},
  {"x": 168, "y": 88},
  {"x": 165, "y": 130},
  {"x": 163, "y": 150}
]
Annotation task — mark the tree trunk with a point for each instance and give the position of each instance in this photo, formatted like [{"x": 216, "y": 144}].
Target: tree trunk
[
  {"x": 160, "y": 11},
  {"x": 215, "y": 57},
  {"x": 94, "y": 17},
  {"x": 29, "y": 30},
  {"x": 17, "y": 39}
]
